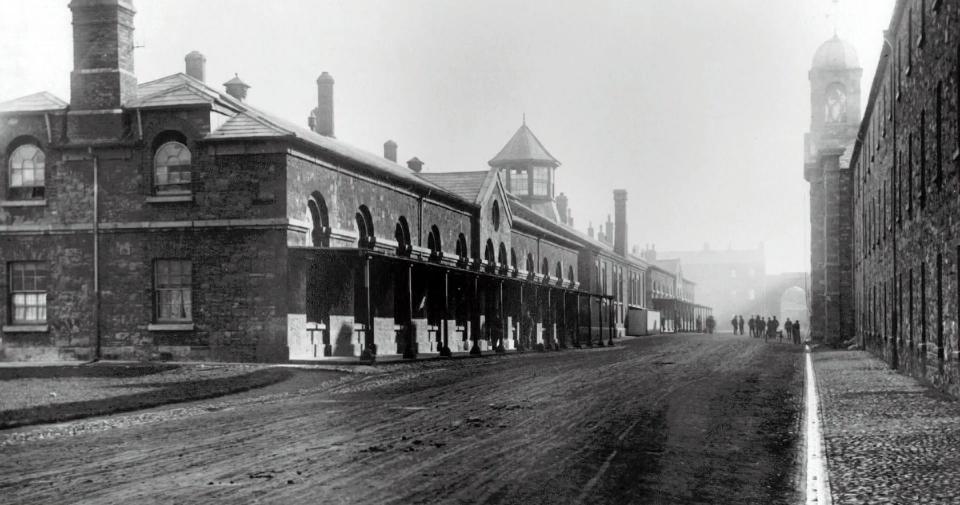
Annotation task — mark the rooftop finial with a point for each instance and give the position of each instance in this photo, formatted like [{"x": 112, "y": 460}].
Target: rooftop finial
[{"x": 524, "y": 119}]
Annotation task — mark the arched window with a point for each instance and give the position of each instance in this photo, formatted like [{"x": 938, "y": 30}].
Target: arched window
[
  {"x": 559, "y": 272},
  {"x": 172, "y": 164},
  {"x": 367, "y": 239},
  {"x": 490, "y": 255},
  {"x": 462, "y": 252},
  {"x": 545, "y": 268},
  {"x": 320, "y": 234},
  {"x": 531, "y": 266},
  {"x": 502, "y": 257},
  {"x": 433, "y": 243},
  {"x": 402, "y": 235},
  {"x": 27, "y": 168},
  {"x": 513, "y": 260},
  {"x": 495, "y": 215},
  {"x": 570, "y": 273}
]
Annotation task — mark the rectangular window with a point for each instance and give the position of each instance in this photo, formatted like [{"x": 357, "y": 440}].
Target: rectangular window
[
  {"x": 910, "y": 308},
  {"x": 518, "y": 182},
  {"x": 172, "y": 287},
  {"x": 939, "y": 140},
  {"x": 923, "y": 159},
  {"x": 940, "y": 306},
  {"x": 541, "y": 181},
  {"x": 923, "y": 302},
  {"x": 911, "y": 177},
  {"x": 28, "y": 292}
]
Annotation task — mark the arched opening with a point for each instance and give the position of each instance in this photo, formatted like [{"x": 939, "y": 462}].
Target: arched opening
[
  {"x": 502, "y": 257},
  {"x": 545, "y": 268},
  {"x": 495, "y": 215},
  {"x": 367, "y": 239},
  {"x": 462, "y": 252},
  {"x": 433, "y": 243},
  {"x": 26, "y": 165},
  {"x": 558, "y": 272},
  {"x": 531, "y": 266},
  {"x": 793, "y": 306},
  {"x": 172, "y": 163},
  {"x": 570, "y": 273},
  {"x": 513, "y": 260},
  {"x": 320, "y": 220},
  {"x": 401, "y": 234},
  {"x": 490, "y": 255}
]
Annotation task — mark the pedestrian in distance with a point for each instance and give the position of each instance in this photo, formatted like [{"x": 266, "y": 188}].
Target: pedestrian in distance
[
  {"x": 769, "y": 334},
  {"x": 733, "y": 322},
  {"x": 740, "y": 317},
  {"x": 796, "y": 332},
  {"x": 776, "y": 329},
  {"x": 788, "y": 328},
  {"x": 753, "y": 327}
]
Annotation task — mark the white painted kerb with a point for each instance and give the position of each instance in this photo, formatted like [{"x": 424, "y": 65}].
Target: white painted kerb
[{"x": 818, "y": 487}]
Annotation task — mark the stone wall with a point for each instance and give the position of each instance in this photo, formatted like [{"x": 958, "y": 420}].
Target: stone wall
[{"x": 905, "y": 206}]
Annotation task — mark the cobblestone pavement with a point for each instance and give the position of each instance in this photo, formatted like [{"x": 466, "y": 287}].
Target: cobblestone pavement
[{"x": 888, "y": 438}]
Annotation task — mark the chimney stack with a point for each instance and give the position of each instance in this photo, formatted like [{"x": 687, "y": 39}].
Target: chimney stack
[
  {"x": 562, "y": 207},
  {"x": 323, "y": 114},
  {"x": 103, "y": 79},
  {"x": 196, "y": 65},
  {"x": 237, "y": 88},
  {"x": 390, "y": 150},
  {"x": 569, "y": 218},
  {"x": 590, "y": 229},
  {"x": 620, "y": 226},
  {"x": 608, "y": 231},
  {"x": 415, "y": 164}
]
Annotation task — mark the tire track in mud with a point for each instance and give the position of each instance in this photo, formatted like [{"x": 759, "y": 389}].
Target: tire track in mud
[{"x": 536, "y": 428}]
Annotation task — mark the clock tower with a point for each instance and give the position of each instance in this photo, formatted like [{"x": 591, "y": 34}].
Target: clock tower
[{"x": 834, "y": 123}]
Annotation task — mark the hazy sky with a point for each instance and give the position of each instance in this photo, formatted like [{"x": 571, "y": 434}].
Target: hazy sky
[{"x": 696, "y": 107}]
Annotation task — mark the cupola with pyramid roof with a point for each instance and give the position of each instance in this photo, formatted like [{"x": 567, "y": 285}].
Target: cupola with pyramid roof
[{"x": 527, "y": 167}]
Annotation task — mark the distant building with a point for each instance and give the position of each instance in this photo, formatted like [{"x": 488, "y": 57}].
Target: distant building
[{"x": 729, "y": 281}]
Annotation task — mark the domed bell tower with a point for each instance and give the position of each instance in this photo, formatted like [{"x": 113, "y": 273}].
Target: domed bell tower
[{"x": 834, "y": 122}]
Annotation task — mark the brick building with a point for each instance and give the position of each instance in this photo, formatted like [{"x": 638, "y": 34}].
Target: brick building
[
  {"x": 170, "y": 219},
  {"x": 905, "y": 181}
]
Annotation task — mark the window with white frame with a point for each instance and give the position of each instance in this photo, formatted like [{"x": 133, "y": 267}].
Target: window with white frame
[
  {"x": 518, "y": 182},
  {"x": 172, "y": 168},
  {"x": 172, "y": 287},
  {"x": 28, "y": 292},
  {"x": 541, "y": 181},
  {"x": 27, "y": 173}
]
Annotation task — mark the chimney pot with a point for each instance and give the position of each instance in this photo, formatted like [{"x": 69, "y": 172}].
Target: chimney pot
[
  {"x": 415, "y": 164},
  {"x": 562, "y": 209},
  {"x": 196, "y": 65},
  {"x": 390, "y": 150}
]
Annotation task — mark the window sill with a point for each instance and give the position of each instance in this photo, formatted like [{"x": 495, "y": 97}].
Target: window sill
[
  {"x": 170, "y": 327},
  {"x": 26, "y": 328},
  {"x": 170, "y": 198},
  {"x": 24, "y": 203}
]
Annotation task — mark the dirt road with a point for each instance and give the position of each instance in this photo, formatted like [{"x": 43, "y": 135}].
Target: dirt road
[{"x": 670, "y": 419}]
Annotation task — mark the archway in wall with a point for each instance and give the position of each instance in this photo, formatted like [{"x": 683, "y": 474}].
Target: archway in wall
[{"x": 793, "y": 306}]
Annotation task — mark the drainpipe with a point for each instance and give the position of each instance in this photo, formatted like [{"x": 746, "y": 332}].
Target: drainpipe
[{"x": 96, "y": 252}]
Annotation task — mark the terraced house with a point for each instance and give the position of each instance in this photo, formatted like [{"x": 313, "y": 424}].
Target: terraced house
[
  {"x": 172, "y": 220},
  {"x": 905, "y": 181}
]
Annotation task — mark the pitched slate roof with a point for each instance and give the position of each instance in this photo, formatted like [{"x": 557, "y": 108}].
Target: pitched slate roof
[
  {"x": 37, "y": 102},
  {"x": 247, "y": 122},
  {"x": 524, "y": 147},
  {"x": 466, "y": 185}
]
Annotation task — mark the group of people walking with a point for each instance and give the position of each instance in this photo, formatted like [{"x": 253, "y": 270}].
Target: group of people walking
[{"x": 768, "y": 328}]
